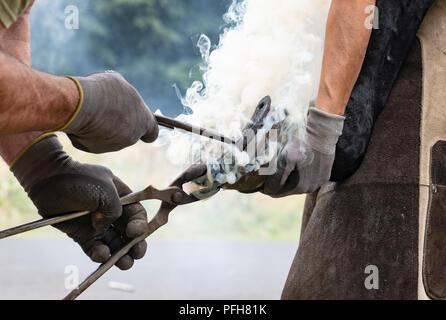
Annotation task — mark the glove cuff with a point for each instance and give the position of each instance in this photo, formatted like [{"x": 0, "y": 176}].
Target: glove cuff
[
  {"x": 38, "y": 159},
  {"x": 323, "y": 130},
  {"x": 27, "y": 147},
  {"x": 79, "y": 106}
]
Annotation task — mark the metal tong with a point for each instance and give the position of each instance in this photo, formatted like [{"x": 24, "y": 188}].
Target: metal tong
[
  {"x": 170, "y": 197},
  {"x": 173, "y": 195}
]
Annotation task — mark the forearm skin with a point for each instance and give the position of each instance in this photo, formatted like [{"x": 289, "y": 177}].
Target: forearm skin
[
  {"x": 11, "y": 146},
  {"x": 346, "y": 41},
  {"x": 15, "y": 42},
  {"x": 31, "y": 100}
]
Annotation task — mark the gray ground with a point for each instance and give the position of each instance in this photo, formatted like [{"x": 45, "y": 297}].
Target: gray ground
[{"x": 35, "y": 269}]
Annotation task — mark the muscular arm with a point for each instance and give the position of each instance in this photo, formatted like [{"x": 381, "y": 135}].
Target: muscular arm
[
  {"x": 347, "y": 38},
  {"x": 47, "y": 156},
  {"x": 346, "y": 42},
  {"x": 14, "y": 95},
  {"x": 88, "y": 109},
  {"x": 31, "y": 100}
]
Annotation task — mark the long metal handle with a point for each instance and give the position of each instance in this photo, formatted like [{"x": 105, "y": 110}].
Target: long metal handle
[
  {"x": 172, "y": 123},
  {"x": 41, "y": 223},
  {"x": 162, "y": 215},
  {"x": 103, "y": 268},
  {"x": 159, "y": 220},
  {"x": 128, "y": 199}
]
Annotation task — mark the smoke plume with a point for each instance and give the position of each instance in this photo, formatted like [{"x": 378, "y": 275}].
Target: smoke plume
[{"x": 271, "y": 48}]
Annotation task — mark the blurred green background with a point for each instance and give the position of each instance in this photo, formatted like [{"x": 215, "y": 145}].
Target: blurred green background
[{"x": 153, "y": 44}]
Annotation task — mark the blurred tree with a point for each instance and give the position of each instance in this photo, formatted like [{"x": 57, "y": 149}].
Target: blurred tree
[{"x": 151, "y": 42}]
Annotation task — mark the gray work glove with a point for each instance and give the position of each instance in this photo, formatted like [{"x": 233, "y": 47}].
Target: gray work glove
[
  {"x": 57, "y": 184},
  {"x": 304, "y": 165},
  {"x": 111, "y": 115}
]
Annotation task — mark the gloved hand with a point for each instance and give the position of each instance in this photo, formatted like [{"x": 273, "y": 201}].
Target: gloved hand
[
  {"x": 304, "y": 165},
  {"x": 57, "y": 184},
  {"x": 111, "y": 115}
]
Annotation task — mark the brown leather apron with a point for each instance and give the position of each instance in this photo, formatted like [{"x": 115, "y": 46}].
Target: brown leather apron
[
  {"x": 432, "y": 220},
  {"x": 391, "y": 214}
]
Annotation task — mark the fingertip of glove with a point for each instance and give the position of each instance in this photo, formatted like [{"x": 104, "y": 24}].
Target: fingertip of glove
[
  {"x": 136, "y": 228},
  {"x": 151, "y": 135},
  {"x": 125, "y": 263},
  {"x": 99, "y": 253},
  {"x": 138, "y": 250}
]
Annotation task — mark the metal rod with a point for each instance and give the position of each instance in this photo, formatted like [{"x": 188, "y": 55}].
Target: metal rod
[
  {"x": 134, "y": 197},
  {"x": 262, "y": 109},
  {"x": 161, "y": 217},
  {"x": 103, "y": 268},
  {"x": 41, "y": 223},
  {"x": 172, "y": 124},
  {"x": 153, "y": 225},
  {"x": 164, "y": 121}
]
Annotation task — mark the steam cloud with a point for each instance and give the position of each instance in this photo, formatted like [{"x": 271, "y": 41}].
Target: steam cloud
[{"x": 272, "y": 48}]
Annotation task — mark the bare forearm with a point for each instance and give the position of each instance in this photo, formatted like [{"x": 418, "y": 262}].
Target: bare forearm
[
  {"x": 12, "y": 145},
  {"x": 347, "y": 38},
  {"x": 31, "y": 100},
  {"x": 15, "y": 41}
]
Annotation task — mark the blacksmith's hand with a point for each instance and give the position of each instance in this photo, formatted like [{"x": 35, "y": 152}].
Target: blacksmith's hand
[
  {"x": 305, "y": 164},
  {"x": 57, "y": 184},
  {"x": 111, "y": 115}
]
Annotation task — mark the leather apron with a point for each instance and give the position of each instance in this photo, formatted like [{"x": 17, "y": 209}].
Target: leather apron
[{"x": 391, "y": 213}]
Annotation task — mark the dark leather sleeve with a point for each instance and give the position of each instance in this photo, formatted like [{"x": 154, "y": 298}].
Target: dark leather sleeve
[{"x": 399, "y": 21}]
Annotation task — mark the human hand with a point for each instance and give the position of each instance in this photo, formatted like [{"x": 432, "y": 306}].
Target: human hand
[
  {"x": 58, "y": 184},
  {"x": 305, "y": 164},
  {"x": 111, "y": 115}
]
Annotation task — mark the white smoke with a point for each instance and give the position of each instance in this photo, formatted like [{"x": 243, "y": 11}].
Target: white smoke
[{"x": 272, "y": 48}]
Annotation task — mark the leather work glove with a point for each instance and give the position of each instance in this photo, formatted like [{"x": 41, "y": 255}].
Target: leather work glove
[
  {"x": 57, "y": 184},
  {"x": 304, "y": 165},
  {"x": 111, "y": 115}
]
